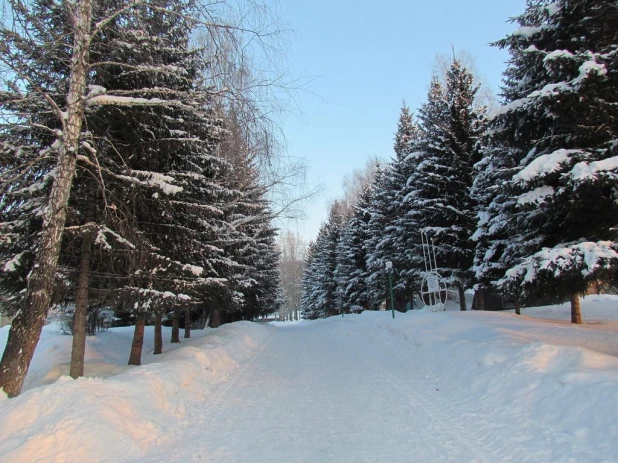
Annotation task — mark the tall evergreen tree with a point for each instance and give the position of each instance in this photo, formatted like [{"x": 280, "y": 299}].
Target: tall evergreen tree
[
  {"x": 158, "y": 156},
  {"x": 319, "y": 283},
  {"x": 406, "y": 230},
  {"x": 556, "y": 137},
  {"x": 307, "y": 299},
  {"x": 439, "y": 200},
  {"x": 351, "y": 270},
  {"x": 386, "y": 233}
]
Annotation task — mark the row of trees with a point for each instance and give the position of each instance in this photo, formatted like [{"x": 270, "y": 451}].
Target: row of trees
[
  {"x": 522, "y": 200},
  {"x": 129, "y": 169}
]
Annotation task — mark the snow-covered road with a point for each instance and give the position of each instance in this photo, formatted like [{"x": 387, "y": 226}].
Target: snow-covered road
[
  {"x": 424, "y": 387},
  {"x": 342, "y": 391}
]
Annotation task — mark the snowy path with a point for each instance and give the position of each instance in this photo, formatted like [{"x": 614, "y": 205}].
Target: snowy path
[{"x": 333, "y": 392}]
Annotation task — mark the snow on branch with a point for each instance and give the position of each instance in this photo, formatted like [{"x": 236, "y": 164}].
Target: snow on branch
[
  {"x": 584, "y": 171},
  {"x": 588, "y": 68},
  {"x": 545, "y": 164},
  {"x": 115, "y": 100},
  {"x": 527, "y": 31},
  {"x": 13, "y": 263},
  {"x": 101, "y": 240},
  {"x": 155, "y": 179},
  {"x": 194, "y": 269},
  {"x": 537, "y": 195},
  {"x": 585, "y": 257}
]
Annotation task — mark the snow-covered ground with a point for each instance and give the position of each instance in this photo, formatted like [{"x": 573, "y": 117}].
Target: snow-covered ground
[{"x": 450, "y": 386}]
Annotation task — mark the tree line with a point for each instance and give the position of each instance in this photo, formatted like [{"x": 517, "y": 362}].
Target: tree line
[
  {"x": 130, "y": 153},
  {"x": 520, "y": 201}
]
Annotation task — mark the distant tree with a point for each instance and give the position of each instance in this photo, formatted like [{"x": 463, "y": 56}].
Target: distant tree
[
  {"x": 379, "y": 217},
  {"x": 293, "y": 252},
  {"x": 351, "y": 269},
  {"x": 355, "y": 184},
  {"x": 308, "y": 281},
  {"x": 319, "y": 284}
]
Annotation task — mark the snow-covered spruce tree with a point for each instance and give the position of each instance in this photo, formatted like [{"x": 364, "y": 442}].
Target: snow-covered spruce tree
[
  {"x": 559, "y": 126},
  {"x": 405, "y": 235},
  {"x": 254, "y": 277},
  {"x": 306, "y": 284},
  {"x": 162, "y": 149},
  {"x": 493, "y": 203},
  {"x": 439, "y": 197},
  {"x": 386, "y": 210},
  {"x": 258, "y": 279},
  {"x": 344, "y": 267},
  {"x": 319, "y": 284},
  {"x": 376, "y": 279},
  {"x": 351, "y": 270}
]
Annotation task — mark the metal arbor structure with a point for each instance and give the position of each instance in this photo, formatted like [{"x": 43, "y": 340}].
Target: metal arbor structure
[{"x": 434, "y": 291}]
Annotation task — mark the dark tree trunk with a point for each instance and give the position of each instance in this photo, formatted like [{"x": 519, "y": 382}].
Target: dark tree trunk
[
  {"x": 576, "y": 311},
  {"x": 158, "y": 334},
  {"x": 462, "y": 299},
  {"x": 175, "y": 326},
  {"x": 93, "y": 321},
  {"x": 80, "y": 317},
  {"x": 517, "y": 308},
  {"x": 27, "y": 325},
  {"x": 81, "y": 312},
  {"x": 138, "y": 340},
  {"x": 215, "y": 322},
  {"x": 187, "y": 323},
  {"x": 480, "y": 299}
]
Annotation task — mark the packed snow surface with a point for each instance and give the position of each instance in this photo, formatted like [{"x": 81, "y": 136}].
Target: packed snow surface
[{"x": 449, "y": 386}]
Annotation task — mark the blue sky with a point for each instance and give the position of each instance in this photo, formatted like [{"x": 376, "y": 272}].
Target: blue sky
[{"x": 367, "y": 56}]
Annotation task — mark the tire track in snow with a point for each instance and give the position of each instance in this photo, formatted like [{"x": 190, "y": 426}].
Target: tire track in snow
[
  {"x": 209, "y": 413},
  {"x": 439, "y": 422},
  {"x": 342, "y": 391},
  {"x": 487, "y": 426},
  {"x": 219, "y": 395}
]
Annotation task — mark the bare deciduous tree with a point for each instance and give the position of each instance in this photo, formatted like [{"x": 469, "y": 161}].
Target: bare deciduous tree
[{"x": 293, "y": 251}]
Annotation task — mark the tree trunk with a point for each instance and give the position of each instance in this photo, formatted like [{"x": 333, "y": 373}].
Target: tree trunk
[
  {"x": 462, "y": 299},
  {"x": 158, "y": 334},
  {"x": 517, "y": 308},
  {"x": 216, "y": 319},
  {"x": 204, "y": 318},
  {"x": 138, "y": 340},
  {"x": 480, "y": 299},
  {"x": 27, "y": 325},
  {"x": 80, "y": 317},
  {"x": 187, "y": 323},
  {"x": 576, "y": 311},
  {"x": 175, "y": 326},
  {"x": 81, "y": 311},
  {"x": 93, "y": 322}
]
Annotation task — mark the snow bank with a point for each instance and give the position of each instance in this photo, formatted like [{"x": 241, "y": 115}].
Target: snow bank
[
  {"x": 123, "y": 415},
  {"x": 511, "y": 388},
  {"x": 538, "y": 373}
]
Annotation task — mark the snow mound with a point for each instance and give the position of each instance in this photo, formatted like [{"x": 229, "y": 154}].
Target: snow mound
[{"x": 122, "y": 416}]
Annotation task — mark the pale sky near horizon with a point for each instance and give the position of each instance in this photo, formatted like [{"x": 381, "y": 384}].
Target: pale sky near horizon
[{"x": 367, "y": 57}]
